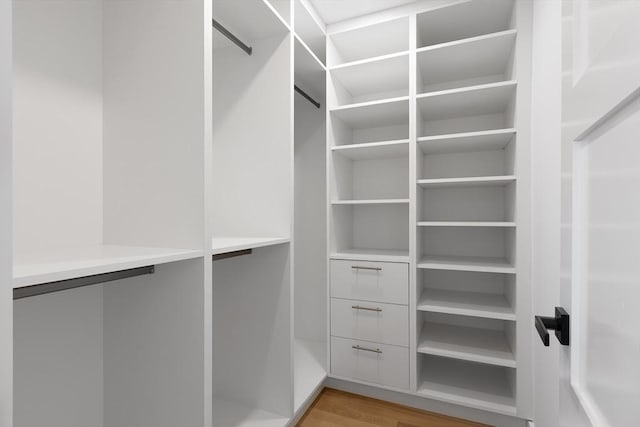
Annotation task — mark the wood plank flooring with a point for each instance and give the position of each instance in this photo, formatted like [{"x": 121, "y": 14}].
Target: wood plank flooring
[{"x": 337, "y": 408}]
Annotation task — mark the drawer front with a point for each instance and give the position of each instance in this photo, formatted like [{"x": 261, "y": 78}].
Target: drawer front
[
  {"x": 370, "y": 281},
  {"x": 376, "y": 363},
  {"x": 368, "y": 321}
]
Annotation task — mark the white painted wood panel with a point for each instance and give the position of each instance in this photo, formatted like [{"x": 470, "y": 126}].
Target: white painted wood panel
[
  {"x": 386, "y": 365},
  {"x": 367, "y": 321},
  {"x": 374, "y": 281}
]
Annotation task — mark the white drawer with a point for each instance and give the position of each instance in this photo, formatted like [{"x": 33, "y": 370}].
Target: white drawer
[
  {"x": 376, "y": 363},
  {"x": 370, "y": 281},
  {"x": 370, "y": 321}
]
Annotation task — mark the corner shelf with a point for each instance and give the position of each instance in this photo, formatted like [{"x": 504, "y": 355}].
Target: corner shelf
[
  {"x": 221, "y": 245},
  {"x": 485, "y": 99},
  {"x": 373, "y": 150},
  {"x": 480, "y": 181},
  {"x": 70, "y": 263},
  {"x": 474, "y": 304},
  {"x": 468, "y": 141},
  {"x": 254, "y": 20},
  {"x": 385, "y": 112},
  {"x": 466, "y": 343},
  {"x": 465, "y": 383},
  {"x": 465, "y": 263}
]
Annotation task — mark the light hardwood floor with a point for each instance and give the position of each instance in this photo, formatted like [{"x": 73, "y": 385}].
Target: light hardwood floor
[{"x": 337, "y": 408}]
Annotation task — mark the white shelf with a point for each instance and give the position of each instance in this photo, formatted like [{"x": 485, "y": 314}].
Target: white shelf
[
  {"x": 462, "y": 20},
  {"x": 309, "y": 73},
  {"x": 355, "y": 45},
  {"x": 70, "y": 263},
  {"x": 379, "y": 75},
  {"x": 228, "y": 412},
  {"x": 249, "y": 21},
  {"x": 464, "y": 263},
  {"x": 490, "y": 224},
  {"x": 475, "y": 57},
  {"x": 371, "y": 255},
  {"x": 469, "y": 141},
  {"x": 309, "y": 369},
  {"x": 371, "y": 202},
  {"x": 221, "y": 245},
  {"x": 307, "y": 29},
  {"x": 475, "y": 304},
  {"x": 374, "y": 150},
  {"x": 463, "y": 383},
  {"x": 476, "y": 181},
  {"x": 492, "y": 98},
  {"x": 466, "y": 343},
  {"x": 385, "y": 112}
]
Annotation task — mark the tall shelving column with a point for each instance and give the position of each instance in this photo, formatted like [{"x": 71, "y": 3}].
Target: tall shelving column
[{"x": 468, "y": 285}]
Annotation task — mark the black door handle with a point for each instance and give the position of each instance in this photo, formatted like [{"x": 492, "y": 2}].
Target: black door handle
[{"x": 560, "y": 323}]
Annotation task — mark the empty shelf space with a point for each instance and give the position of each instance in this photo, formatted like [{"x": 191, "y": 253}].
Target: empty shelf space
[
  {"x": 386, "y": 112},
  {"x": 469, "y": 141},
  {"x": 466, "y": 343},
  {"x": 476, "y": 304},
  {"x": 355, "y": 45},
  {"x": 374, "y": 150},
  {"x": 248, "y": 21},
  {"x": 372, "y": 79},
  {"x": 479, "y": 100},
  {"x": 371, "y": 202},
  {"x": 470, "y": 384},
  {"x": 70, "y": 263},
  {"x": 371, "y": 255},
  {"x": 483, "y": 59},
  {"x": 228, "y": 412},
  {"x": 497, "y": 224},
  {"x": 309, "y": 31},
  {"x": 466, "y": 263},
  {"x": 309, "y": 369},
  {"x": 463, "y": 20},
  {"x": 221, "y": 245},
  {"x": 479, "y": 181}
]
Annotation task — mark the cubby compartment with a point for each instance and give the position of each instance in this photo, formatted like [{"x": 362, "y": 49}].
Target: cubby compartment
[
  {"x": 375, "y": 121},
  {"x": 97, "y": 191},
  {"x": 478, "y": 60},
  {"x": 250, "y": 182},
  {"x": 355, "y": 44},
  {"x": 377, "y": 180},
  {"x": 484, "y": 295},
  {"x": 463, "y": 20},
  {"x": 379, "y": 78},
  {"x": 482, "y": 249},
  {"x": 377, "y": 232},
  {"x": 482, "y": 340},
  {"x": 481, "y": 386},
  {"x": 252, "y": 342},
  {"x": 127, "y": 352},
  {"x": 469, "y": 109}
]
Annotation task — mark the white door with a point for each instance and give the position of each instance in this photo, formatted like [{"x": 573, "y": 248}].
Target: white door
[{"x": 599, "y": 378}]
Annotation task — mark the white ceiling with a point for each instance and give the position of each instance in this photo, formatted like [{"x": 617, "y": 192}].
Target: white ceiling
[{"x": 332, "y": 11}]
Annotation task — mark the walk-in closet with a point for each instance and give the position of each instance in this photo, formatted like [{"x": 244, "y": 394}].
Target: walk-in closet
[{"x": 213, "y": 211}]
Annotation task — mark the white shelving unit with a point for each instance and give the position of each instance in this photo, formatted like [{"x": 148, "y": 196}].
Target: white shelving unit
[
  {"x": 474, "y": 304},
  {"x": 467, "y": 263},
  {"x": 469, "y": 141},
  {"x": 485, "y": 181}
]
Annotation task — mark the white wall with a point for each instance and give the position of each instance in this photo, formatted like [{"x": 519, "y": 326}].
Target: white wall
[
  {"x": 6, "y": 215},
  {"x": 546, "y": 145}
]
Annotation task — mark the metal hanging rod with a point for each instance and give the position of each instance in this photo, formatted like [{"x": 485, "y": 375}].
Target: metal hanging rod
[
  {"x": 79, "y": 282},
  {"x": 228, "y": 34},
  {"x": 233, "y": 254},
  {"x": 306, "y": 96}
]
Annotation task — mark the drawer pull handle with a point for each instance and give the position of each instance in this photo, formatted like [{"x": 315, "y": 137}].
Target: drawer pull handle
[
  {"x": 372, "y": 350},
  {"x": 357, "y": 307},
  {"x": 360, "y": 267}
]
